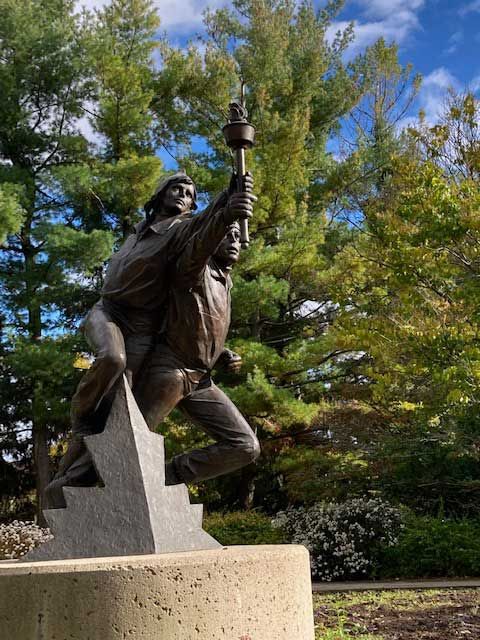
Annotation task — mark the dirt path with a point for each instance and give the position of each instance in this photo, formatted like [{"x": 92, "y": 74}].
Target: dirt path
[
  {"x": 399, "y": 615},
  {"x": 319, "y": 587}
]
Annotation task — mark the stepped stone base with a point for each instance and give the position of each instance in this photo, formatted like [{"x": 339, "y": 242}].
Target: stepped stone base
[{"x": 230, "y": 593}]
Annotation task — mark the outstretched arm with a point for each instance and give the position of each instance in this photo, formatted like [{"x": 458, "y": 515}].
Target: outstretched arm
[
  {"x": 205, "y": 241},
  {"x": 186, "y": 229}
]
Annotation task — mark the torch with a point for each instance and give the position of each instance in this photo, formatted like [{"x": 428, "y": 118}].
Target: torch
[{"x": 239, "y": 136}]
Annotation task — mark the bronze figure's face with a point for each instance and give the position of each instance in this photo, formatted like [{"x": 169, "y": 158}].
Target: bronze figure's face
[
  {"x": 179, "y": 197},
  {"x": 228, "y": 251}
]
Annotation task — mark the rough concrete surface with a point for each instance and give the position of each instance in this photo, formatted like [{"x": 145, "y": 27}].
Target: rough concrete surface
[{"x": 234, "y": 593}]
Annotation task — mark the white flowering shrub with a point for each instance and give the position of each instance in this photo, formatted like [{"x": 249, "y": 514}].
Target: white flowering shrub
[
  {"x": 344, "y": 539},
  {"x": 18, "y": 538}
]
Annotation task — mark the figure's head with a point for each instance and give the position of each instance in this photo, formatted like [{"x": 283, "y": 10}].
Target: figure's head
[
  {"x": 174, "y": 195},
  {"x": 228, "y": 251}
]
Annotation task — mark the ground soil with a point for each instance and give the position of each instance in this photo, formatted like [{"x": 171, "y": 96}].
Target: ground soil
[{"x": 401, "y": 615}]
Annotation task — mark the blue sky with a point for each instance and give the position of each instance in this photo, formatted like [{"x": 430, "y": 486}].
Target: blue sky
[{"x": 440, "y": 37}]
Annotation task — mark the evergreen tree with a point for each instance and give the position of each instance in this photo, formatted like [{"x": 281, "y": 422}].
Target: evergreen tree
[
  {"x": 123, "y": 172},
  {"x": 297, "y": 89},
  {"x": 43, "y": 84},
  {"x": 355, "y": 306},
  {"x": 65, "y": 200}
]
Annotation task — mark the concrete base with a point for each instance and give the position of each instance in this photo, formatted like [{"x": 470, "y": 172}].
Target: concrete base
[{"x": 232, "y": 593}]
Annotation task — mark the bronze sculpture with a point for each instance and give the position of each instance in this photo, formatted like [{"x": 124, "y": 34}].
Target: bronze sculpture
[
  {"x": 143, "y": 327},
  {"x": 240, "y": 135},
  {"x": 179, "y": 371}
]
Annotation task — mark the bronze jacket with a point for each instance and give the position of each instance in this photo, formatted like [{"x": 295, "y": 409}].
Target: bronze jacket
[
  {"x": 136, "y": 285},
  {"x": 198, "y": 315}
]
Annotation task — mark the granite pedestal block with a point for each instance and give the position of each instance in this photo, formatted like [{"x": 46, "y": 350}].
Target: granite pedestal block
[{"x": 134, "y": 512}]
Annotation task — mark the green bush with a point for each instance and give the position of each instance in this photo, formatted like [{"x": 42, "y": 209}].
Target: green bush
[
  {"x": 242, "y": 527},
  {"x": 434, "y": 547}
]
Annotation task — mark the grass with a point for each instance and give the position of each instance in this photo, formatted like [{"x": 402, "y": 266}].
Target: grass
[{"x": 398, "y": 615}]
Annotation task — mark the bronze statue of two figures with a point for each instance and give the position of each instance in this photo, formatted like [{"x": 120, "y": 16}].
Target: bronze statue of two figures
[{"x": 162, "y": 320}]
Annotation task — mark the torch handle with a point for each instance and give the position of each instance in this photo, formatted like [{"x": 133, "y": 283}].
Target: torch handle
[{"x": 241, "y": 170}]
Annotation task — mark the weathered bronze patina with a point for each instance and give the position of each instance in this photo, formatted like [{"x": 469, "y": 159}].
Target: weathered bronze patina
[
  {"x": 240, "y": 135},
  {"x": 179, "y": 371},
  {"x": 162, "y": 319}
]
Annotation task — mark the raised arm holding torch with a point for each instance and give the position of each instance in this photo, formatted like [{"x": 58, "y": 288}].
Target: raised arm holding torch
[{"x": 239, "y": 136}]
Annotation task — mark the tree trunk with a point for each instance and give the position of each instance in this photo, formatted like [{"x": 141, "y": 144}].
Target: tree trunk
[
  {"x": 39, "y": 429},
  {"x": 41, "y": 465},
  {"x": 246, "y": 487}
]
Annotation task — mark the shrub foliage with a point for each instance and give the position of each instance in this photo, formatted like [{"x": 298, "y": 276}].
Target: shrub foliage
[
  {"x": 344, "y": 540},
  {"x": 18, "y": 538},
  {"x": 433, "y": 547},
  {"x": 249, "y": 527}
]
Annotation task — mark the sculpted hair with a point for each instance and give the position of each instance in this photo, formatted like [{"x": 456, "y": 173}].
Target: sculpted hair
[{"x": 154, "y": 204}]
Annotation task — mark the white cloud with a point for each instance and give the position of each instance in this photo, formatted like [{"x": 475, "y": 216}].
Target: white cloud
[
  {"x": 393, "y": 20},
  {"x": 441, "y": 78},
  {"x": 183, "y": 16},
  {"x": 433, "y": 93},
  {"x": 178, "y": 16},
  {"x": 387, "y": 9},
  {"x": 85, "y": 127},
  {"x": 471, "y": 7},
  {"x": 455, "y": 39},
  {"x": 474, "y": 84}
]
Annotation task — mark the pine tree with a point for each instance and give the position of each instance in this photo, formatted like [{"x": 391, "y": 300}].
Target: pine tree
[
  {"x": 43, "y": 83},
  {"x": 125, "y": 169},
  {"x": 297, "y": 89}
]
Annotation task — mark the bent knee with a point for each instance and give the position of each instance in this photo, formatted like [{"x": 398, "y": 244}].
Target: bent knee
[
  {"x": 256, "y": 449},
  {"x": 114, "y": 363},
  {"x": 250, "y": 449}
]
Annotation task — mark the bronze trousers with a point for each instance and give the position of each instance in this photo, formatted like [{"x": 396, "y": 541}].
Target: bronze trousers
[
  {"x": 164, "y": 386},
  {"x": 116, "y": 353},
  {"x": 159, "y": 385}
]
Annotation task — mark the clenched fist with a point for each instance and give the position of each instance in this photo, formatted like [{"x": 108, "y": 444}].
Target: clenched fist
[{"x": 229, "y": 361}]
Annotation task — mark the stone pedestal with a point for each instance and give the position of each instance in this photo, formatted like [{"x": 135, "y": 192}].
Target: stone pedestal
[{"x": 230, "y": 593}]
